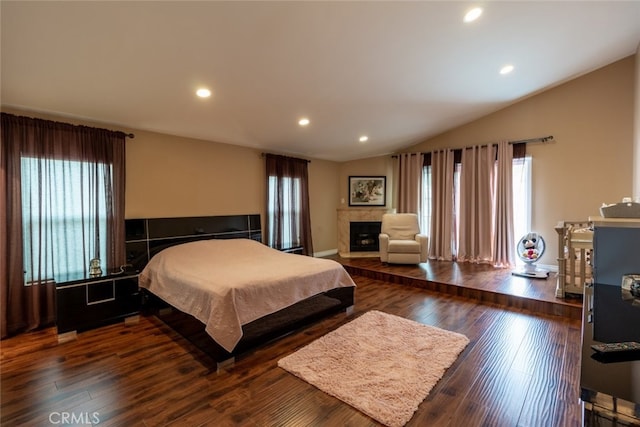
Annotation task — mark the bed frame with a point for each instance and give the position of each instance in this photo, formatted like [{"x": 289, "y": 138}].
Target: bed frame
[{"x": 146, "y": 237}]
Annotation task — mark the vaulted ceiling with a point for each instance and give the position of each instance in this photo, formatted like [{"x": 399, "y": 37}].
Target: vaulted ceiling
[{"x": 398, "y": 72}]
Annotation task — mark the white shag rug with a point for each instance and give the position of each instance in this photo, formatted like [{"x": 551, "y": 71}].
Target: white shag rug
[{"x": 381, "y": 364}]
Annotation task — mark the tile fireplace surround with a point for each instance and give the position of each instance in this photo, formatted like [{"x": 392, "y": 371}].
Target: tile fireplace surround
[{"x": 348, "y": 215}]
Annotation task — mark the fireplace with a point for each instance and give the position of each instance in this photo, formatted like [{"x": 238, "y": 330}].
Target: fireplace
[
  {"x": 346, "y": 216},
  {"x": 363, "y": 236}
]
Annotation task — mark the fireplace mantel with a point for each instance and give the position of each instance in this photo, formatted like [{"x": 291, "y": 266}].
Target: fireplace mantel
[{"x": 348, "y": 215}]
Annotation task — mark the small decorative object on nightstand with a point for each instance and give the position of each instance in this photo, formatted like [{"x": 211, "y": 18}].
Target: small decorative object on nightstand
[{"x": 94, "y": 268}]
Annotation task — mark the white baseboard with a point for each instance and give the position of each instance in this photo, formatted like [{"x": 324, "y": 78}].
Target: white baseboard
[
  {"x": 548, "y": 267},
  {"x": 325, "y": 253},
  {"x": 67, "y": 336}
]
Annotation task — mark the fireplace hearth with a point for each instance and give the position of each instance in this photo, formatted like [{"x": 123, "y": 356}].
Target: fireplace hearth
[{"x": 363, "y": 236}]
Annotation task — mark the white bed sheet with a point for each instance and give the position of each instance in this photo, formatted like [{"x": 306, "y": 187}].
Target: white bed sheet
[{"x": 228, "y": 283}]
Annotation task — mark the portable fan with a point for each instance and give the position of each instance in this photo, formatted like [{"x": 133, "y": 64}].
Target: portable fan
[{"x": 530, "y": 249}]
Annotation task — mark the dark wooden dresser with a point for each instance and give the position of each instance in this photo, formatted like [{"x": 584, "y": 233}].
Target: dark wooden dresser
[{"x": 610, "y": 382}]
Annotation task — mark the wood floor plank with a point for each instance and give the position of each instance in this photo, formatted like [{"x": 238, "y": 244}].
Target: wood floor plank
[
  {"x": 540, "y": 352},
  {"x": 518, "y": 369},
  {"x": 568, "y": 385},
  {"x": 470, "y": 378}
]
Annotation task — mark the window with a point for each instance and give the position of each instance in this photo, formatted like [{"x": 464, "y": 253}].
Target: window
[
  {"x": 457, "y": 170},
  {"x": 59, "y": 219},
  {"x": 290, "y": 209},
  {"x": 288, "y": 219},
  {"x": 425, "y": 215},
  {"x": 521, "y": 199}
]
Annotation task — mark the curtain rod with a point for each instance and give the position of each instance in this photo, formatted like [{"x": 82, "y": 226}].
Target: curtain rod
[
  {"x": 533, "y": 140},
  {"x": 37, "y": 119},
  {"x": 281, "y": 155},
  {"x": 541, "y": 139}
]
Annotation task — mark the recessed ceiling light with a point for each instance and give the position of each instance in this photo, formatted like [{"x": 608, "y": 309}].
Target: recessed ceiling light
[
  {"x": 506, "y": 69},
  {"x": 303, "y": 122},
  {"x": 473, "y": 14},
  {"x": 364, "y": 138},
  {"x": 203, "y": 93}
]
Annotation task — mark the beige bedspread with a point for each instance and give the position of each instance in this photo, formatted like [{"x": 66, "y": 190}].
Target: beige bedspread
[{"x": 228, "y": 283}]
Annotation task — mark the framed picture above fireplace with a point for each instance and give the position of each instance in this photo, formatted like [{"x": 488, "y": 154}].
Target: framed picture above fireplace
[{"x": 367, "y": 190}]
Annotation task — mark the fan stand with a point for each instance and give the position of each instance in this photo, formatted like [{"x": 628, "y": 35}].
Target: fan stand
[{"x": 530, "y": 270}]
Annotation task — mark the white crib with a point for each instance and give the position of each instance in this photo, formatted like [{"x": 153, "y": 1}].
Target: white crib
[{"x": 575, "y": 249}]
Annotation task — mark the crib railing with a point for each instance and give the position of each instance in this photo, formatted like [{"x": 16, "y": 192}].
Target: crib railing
[{"x": 575, "y": 248}]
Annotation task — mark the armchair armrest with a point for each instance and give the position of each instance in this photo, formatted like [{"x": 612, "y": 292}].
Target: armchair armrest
[
  {"x": 383, "y": 240},
  {"x": 424, "y": 246}
]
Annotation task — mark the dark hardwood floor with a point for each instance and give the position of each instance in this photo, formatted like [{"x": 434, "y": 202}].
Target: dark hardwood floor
[{"x": 520, "y": 369}]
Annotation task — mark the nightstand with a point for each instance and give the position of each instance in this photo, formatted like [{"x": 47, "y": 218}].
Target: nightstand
[{"x": 84, "y": 303}]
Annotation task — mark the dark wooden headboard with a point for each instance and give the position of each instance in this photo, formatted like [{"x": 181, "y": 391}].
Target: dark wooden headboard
[{"x": 147, "y": 236}]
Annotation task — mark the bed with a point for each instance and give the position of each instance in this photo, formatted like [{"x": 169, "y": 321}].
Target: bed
[{"x": 214, "y": 282}]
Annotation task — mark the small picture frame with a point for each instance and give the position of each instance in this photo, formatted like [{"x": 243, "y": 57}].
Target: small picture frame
[{"x": 367, "y": 190}]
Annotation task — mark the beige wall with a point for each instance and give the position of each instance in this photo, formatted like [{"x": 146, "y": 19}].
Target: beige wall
[
  {"x": 375, "y": 166},
  {"x": 591, "y": 162},
  {"x": 324, "y": 182},
  {"x": 170, "y": 176}
]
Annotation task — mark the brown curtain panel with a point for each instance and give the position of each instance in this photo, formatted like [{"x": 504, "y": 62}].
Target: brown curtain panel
[
  {"x": 519, "y": 150},
  {"x": 441, "y": 246},
  {"x": 486, "y": 203},
  {"x": 289, "y": 219},
  {"x": 48, "y": 158},
  {"x": 410, "y": 167},
  {"x": 503, "y": 239},
  {"x": 476, "y": 205}
]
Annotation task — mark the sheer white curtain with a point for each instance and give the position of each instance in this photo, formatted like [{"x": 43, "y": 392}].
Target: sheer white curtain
[
  {"x": 441, "y": 246},
  {"x": 476, "y": 205},
  {"x": 503, "y": 235},
  {"x": 410, "y": 182},
  {"x": 64, "y": 217}
]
